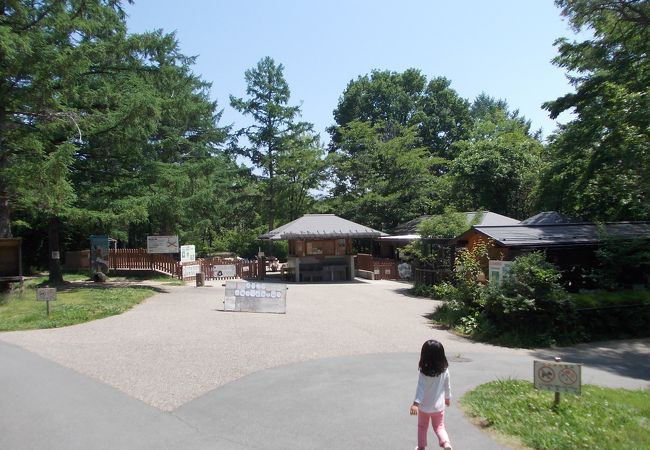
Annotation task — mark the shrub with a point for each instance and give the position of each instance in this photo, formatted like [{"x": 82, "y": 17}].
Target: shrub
[
  {"x": 622, "y": 263},
  {"x": 465, "y": 298},
  {"x": 423, "y": 290},
  {"x": 530, "y": 304}
]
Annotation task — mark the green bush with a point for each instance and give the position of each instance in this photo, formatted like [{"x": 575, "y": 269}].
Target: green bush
[
  {"x": 621, "y": 263},
  {"x": 465, "y": 298},
  {"x": 423, "y": 290},
  {"x": 530, "y": 304},
  {"x": 614, "y": 315}
]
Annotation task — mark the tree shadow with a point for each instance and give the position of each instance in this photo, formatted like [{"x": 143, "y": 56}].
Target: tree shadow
[
  {"x": 626, "y": 358},
  {"x": 71, "y": 287}
]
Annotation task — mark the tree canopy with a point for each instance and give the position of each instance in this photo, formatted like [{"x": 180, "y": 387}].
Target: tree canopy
[
  {"x": 599, "y": 163},
  {"x": 107, "y": 132}
]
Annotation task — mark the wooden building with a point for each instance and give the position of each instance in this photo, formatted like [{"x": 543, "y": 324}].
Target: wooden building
[
  {"x": 407, "y": 232},
  {"x": 320, "y": 246},
  {"x": 11, "y": 264},
  {"x": 570, "y": 246}
]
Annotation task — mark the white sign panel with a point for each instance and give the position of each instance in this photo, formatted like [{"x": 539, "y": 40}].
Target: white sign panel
[
  {"x": 162, "y": 244},
  {"x": 191, "y": 270},
  {"x": 404, "y": 270},
  {"x": 249, "y": 296},
  {"x": 188, "y": 253},
  {"x": 226, "y": 270},
  {"x": 557, "y": 376},
  {"x": 497, "y": 270},
  {"x": 46, "y": 294}
]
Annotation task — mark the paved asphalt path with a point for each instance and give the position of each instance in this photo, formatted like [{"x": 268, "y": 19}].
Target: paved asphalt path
[{"x": 338, "y": 371}]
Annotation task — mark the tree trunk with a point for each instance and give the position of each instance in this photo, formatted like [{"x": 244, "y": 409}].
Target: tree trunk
[
  {"x": 56, "y": 276},
  {"x": 5, "y": 210}
]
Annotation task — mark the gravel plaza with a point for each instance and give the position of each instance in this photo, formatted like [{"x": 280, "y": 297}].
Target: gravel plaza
[{"x": 337, "y": 371}]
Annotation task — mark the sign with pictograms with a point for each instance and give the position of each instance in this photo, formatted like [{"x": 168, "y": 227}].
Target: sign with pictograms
[
  {"x": 248, "y": 296},
  {"x": 162, "y": 244},
  {"x": 557, "y": 376}
]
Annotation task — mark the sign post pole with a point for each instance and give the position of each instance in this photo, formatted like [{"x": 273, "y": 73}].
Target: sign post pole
[
  {"x": 557, "y": 393},
  {"x": 558, "y": 377},
  {"x": 46, "y": 295}
]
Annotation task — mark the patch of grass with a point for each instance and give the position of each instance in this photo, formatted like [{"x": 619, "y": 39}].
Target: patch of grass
[
  {"x": 21, "y": 310},
  {"x": 599, "y": 418},
  {"x": 597, "y": 299}
]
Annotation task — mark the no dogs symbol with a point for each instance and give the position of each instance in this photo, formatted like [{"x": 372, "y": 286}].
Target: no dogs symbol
[{"x": 546, "y": 374}]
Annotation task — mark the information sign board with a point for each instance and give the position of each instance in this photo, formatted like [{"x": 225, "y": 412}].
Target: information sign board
[
  {"x": 99, "y": 253},
  {"x": 162, "y": 244},
  {"x": 248, "y": 296},
  {"x": 557, "y": 376},
  {"x": 225, "y": 270},
  {"x": 188, "y": 253},
  {"x": 191, "y": 270},
  {"x": 46, "y": 294},
  {"x": 497, "y": 270}
]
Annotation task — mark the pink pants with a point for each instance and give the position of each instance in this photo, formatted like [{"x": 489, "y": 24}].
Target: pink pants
[{"x": 438, "y": 424}]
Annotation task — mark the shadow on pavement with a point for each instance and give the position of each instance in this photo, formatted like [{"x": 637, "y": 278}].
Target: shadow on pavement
[{"x": 625, "y": 358}]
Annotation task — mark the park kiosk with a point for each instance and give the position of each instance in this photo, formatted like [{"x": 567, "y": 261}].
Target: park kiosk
[
  {"x": 11, "y": 265},
  {"x": 320, "y": 246}
]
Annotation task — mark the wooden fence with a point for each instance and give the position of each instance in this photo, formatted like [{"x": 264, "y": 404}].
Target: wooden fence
[
  {"x": 244, "y": 269},
  {"x": 432, "y": 276},
  {"x": 139, "y": 259},
  {"x": 382, "y": 268}
]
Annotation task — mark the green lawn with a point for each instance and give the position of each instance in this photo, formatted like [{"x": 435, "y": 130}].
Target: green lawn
[
  {"x": 598, "y": 299},
  {"x": 21, "y": 311},
  {"x": 599, "y": 418}
]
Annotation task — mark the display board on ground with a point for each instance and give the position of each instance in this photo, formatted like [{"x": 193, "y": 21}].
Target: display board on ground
[{"x": 247, "y": 296}]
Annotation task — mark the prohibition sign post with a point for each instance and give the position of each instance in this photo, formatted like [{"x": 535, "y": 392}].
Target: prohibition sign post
[{"x": 557, "y": 377}]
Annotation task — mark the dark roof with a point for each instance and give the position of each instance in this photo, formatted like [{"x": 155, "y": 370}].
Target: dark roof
[
  {"x": 561, "y": 234},
  {"x": 489, "y": 218},
  {"x": 321, "y": 226},
  {"x": 548, "y": 218}
]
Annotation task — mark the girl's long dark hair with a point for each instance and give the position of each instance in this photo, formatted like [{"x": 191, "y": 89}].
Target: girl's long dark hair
[{"x": 433, "y": 361}]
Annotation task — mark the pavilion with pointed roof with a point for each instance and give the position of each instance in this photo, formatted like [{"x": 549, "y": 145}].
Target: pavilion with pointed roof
[{"x": 320, "y": 246}]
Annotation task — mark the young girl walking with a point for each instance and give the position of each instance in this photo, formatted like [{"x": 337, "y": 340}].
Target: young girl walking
[{"x": 432, "y": 394}]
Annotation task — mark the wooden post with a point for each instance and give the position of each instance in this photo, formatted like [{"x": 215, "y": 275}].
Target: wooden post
[{"x": 557, "y": 394}]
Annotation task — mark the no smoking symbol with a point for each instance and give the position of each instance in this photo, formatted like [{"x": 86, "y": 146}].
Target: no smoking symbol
[{"x": 568, "y": 376}]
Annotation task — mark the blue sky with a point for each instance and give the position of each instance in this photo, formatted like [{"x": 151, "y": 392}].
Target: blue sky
[{"x": 501, "y": 47}]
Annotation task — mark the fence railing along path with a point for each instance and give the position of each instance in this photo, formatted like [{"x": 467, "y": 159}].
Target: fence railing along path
[{"x": 139, "y": 259}]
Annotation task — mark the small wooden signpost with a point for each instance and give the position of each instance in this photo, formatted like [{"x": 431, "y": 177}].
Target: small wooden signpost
[
  {"x": 557, "y": 377},
  {"x": 47, "y": 295}
]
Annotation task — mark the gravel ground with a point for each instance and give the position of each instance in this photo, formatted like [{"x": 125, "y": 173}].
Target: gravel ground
[{"x": 176, "y": 346}]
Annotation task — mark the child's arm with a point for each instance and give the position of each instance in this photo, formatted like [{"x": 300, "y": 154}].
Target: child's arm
[
  {"x": 447, "y": 390},
  {"x": 419, "y": 392}
]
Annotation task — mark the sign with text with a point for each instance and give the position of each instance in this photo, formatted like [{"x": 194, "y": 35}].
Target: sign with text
[
  {"x": 497, "y": 270},
  {"x": 191, "y": 270},
  {"x": 162, "y": 244},
  {"x": 188, "y": 253},
  {"x": 224, "y": 270},
  {"x": 557, "y": 376},
  {"x": 46, "y": 294},
  {"x": 248, "y": 296}
]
